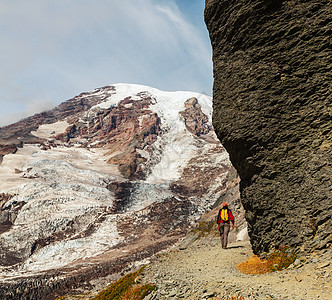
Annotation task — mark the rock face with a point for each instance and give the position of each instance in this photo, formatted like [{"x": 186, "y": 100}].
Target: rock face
[
  {"x": 102, "y": 182},
  {"x": 272, "y": 112}
]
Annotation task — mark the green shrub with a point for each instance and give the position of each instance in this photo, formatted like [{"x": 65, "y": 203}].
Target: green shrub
[
  {"x": 204, "y": 228},
  {"x": 281, "y": 258},
  {"x": 126, "y": 289}
]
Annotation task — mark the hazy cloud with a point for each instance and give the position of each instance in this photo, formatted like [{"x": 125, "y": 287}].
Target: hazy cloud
[
  {"x": 53, "y": 50},
  {"x": 29, "y": 108}
]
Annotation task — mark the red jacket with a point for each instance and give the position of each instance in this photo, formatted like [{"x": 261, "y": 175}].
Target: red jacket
[{"x": 230, "y": 217}]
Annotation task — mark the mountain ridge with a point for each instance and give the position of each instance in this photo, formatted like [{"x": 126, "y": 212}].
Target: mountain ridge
[{"x": 101, "y": 190}]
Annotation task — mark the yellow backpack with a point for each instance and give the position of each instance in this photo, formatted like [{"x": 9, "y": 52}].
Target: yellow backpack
[{"x": 224, "y": 214}]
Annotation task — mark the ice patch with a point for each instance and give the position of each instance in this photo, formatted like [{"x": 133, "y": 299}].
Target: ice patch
[
  {"x": 45, "y": 131},
  {"x": 242, "y": 235},
  {"x": 177, "y": 150},
  {"x": 60, "y": 254}
]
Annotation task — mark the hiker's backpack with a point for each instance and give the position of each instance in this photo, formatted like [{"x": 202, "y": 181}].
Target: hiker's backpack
[{"x": 224, "y": 215}]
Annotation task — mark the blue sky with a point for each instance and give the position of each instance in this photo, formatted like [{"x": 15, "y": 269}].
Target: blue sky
[{"x": 54, "y": 50}]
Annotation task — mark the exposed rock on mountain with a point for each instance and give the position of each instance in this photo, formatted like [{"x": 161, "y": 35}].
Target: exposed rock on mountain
[
  {"x": 196, "y": 121},
  {"x": 272, "y": 112},
  {"x": 102, "y": 182}
]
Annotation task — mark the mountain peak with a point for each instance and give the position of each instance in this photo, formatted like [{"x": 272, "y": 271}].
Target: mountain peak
[{"x": 121, "y": 167}]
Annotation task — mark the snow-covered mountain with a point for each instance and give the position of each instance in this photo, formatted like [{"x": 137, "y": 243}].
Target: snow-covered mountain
[{"x": 105, "y": 179}]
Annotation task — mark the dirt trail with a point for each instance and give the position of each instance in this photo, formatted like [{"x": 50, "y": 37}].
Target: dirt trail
[{"x": 205, "y": 270}]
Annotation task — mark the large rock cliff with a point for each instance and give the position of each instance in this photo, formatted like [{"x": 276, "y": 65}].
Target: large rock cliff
[{"x": 272, "y": 112}]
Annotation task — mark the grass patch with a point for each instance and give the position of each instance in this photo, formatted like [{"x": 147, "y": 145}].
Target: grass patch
[
  {"x": 205, "y": 228},
  {"x": 254, "y": 266},
  {"x": 281, "y": 259},
  {"x": 126, "y": 289},
  {"x": 278, "y": 260}
]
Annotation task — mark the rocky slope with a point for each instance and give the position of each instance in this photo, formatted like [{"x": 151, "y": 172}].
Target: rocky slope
[
  {"x": 103, "y": 182},
  {"x": 272, "y": 112}
]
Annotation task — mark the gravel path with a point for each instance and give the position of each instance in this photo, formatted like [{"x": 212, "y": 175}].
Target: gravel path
[{"x": 204, "y": 270}]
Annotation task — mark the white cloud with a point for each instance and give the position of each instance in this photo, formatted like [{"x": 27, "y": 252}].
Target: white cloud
[
  {"x": 193, "y": 41},
  {"x": 56, "y": 49}
]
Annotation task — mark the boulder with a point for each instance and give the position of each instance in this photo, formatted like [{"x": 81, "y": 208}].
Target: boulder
[{"x": 272, "y": 113}]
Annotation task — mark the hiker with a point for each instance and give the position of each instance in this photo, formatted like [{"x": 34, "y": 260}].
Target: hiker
[{"x": 223, "y": 221}]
